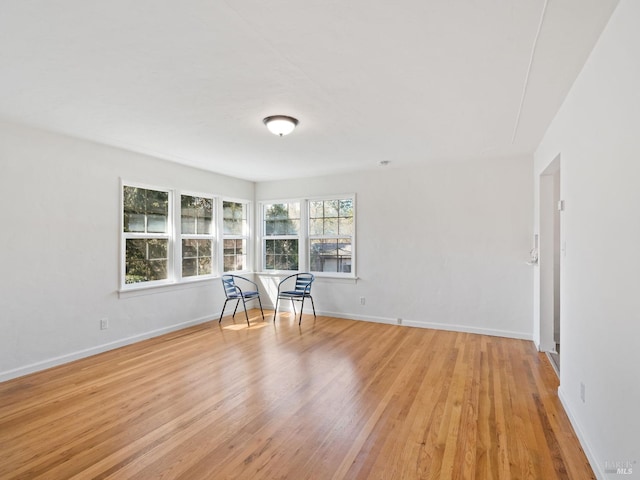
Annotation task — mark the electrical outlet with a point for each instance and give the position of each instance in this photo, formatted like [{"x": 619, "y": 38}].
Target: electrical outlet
[
  {"x": 362, "y": 300},
  {"x": 104, "y": 324},
  {"x": 582, "y": 392},
  {"x": 399, "y": 321}
]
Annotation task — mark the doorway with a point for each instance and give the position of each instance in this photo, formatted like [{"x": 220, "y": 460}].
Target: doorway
[{"x": 550, "y": 254}]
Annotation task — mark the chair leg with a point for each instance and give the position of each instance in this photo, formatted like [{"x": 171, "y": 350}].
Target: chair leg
[
  {"x": 244, "y": 304},
  {"x": 236, "y": 309},
  {"x": 261, "y": 311},
  {"x": 313, "y": 305},
  {"x": 275, "y": 312},
  {"x": 293, "y": 305},
  {"x": 301, "y": 310},
  {"x": 222, "y": 312}
]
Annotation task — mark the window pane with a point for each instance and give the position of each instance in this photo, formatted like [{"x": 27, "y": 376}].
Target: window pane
[
  {"x": 316, "y": 209},
  {"x": 282, "y": 219},
  {"x": 345, "y": 226},
  {"x": 189, "y": 267},
  {"x": 156, "y": 223},
  {"x": 316, "y": 226},
  {"x": 188, "y": 225},
  {"x": 157, "y": 249},
  {"x": 346, "y": 208},
  {"x": 330, "y": 255},
  {"x": 157, "y": 202},
  {"x": 143, "y": 206},
  {"x": 331, "y": 208},
  {"x": 294, "y": 210},
  {"x": 330, "y": 226},
  {"x": 234, "y": 254},
  {"x": 133, "y": 222},
  {"x": 234, "y": 227},
  {"x": 331, "y": 217},
  {"x": 204, "y": 266},
  {"x": 276, "y": 211},
  {"x": 196, "y": 257},
  {"x": 145, "y": 260},
  {"x": 189, "y": 249},
  {"x": 281, "y": 254},
  {"x": 134, "y": 199},
  {"x": 203, "y": 225},
  {"x": 269, "y": 262},
  {"x": 292, "y": 227},
  {"x": 197, "y": 214},
  {"x": 234, "y": 218}
]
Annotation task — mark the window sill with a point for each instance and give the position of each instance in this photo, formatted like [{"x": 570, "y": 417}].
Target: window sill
[
  {"x": 323, "y": 276},
  {"x": 141, "y": 290}
]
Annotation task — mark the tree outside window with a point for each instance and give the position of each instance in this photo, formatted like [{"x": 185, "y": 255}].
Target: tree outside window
[
  {"x": 145, "y": 234},
  {"x": 196, "y": 221},
  {"x": 235, "y": 235},
  {"x": 281, "y": 236}
]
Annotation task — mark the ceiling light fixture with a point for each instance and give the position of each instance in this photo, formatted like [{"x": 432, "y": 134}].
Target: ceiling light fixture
[{"x": 280, "y": 124}]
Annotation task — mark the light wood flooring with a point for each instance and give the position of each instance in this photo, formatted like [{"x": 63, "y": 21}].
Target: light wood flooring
[{"x": 331, "y": 399}]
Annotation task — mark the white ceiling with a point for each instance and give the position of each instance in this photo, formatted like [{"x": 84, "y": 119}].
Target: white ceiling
[{"x": 410, "y": 82}]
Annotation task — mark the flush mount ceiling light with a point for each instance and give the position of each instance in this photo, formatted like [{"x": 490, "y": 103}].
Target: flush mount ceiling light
[{"x": 280, "y": 124}]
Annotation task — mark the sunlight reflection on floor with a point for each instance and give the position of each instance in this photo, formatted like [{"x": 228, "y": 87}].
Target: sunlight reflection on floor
[{"x": 240, "y": 326}]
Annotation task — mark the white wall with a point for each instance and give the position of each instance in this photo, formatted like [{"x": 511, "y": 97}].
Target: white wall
[
  {"x": 60, "y": 202},
  {"x": 441, "y": 246},
  {"x": 597, "y": 134}
]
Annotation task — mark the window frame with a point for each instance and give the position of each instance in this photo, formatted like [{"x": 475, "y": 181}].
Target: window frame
[
  {"x": 180, "y": 236},
  {"x": 304, "y": 237},
  {"x": 299, "y": 237},
  {"x": 169, "y": 235},
  {"x": 247, "y": 235},
  {"x": 174, "y": 238},
  {"x": 352, "y": 237}
]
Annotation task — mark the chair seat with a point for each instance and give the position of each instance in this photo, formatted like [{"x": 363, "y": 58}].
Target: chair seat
[
  {"x": 244, "y": 294},
  {"x": 292, "y": 293}
]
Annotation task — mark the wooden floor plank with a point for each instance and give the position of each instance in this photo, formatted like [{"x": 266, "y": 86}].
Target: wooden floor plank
[{"x": 331, "y": 398}]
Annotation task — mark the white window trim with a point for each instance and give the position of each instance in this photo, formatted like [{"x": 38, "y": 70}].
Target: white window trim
[
  {"x": 300, "y": 237},
  {"x": 215, "y": 264},
  {"x": 347, "y": 275},
  {"x": 304, "y": 237},
  {"x": 248, "y": 235},
  {"x": 124, "y": 236},
  {"x": 174, "y": 236}
]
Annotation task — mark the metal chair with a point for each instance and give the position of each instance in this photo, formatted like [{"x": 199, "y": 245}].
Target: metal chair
[
  {"x": 302, "y": 290},
  {"x": 234, "y": 292}
]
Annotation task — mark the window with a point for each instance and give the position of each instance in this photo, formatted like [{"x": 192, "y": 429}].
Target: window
[
  {"x": 169, "y": 237},
  {"x": 281, "y": 228},
  {"x": 330, "y": 235},
  {"x": 235, "y": 227},
  {"x": 197, "y": 246},
  {"x": 146, "y": 234},
  {"x": 315, "y": 235}
]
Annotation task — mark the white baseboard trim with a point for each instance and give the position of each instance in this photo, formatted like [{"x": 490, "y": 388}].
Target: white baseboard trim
[
  {"x": 62, "y": 359},
  {"x": 434, "y": 326},
  {"x": 586, "y": 446},
  {"x": 87, "y": 352}
]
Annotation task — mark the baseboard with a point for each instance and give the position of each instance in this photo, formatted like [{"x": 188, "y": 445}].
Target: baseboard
[
  {"x": 70, "y": 357},
  {"x": 54, "y": 362},
  {"x": 586, "y": 446},
  {"x": 433, "y": 325}
]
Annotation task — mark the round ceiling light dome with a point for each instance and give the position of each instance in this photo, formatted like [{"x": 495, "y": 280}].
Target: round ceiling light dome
[{"x": 280, "y": 124}]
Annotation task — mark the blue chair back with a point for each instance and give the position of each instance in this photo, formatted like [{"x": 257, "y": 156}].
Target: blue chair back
[
  {"x": 303, "y": 283},
  {"x": 229, "y": 286}
]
